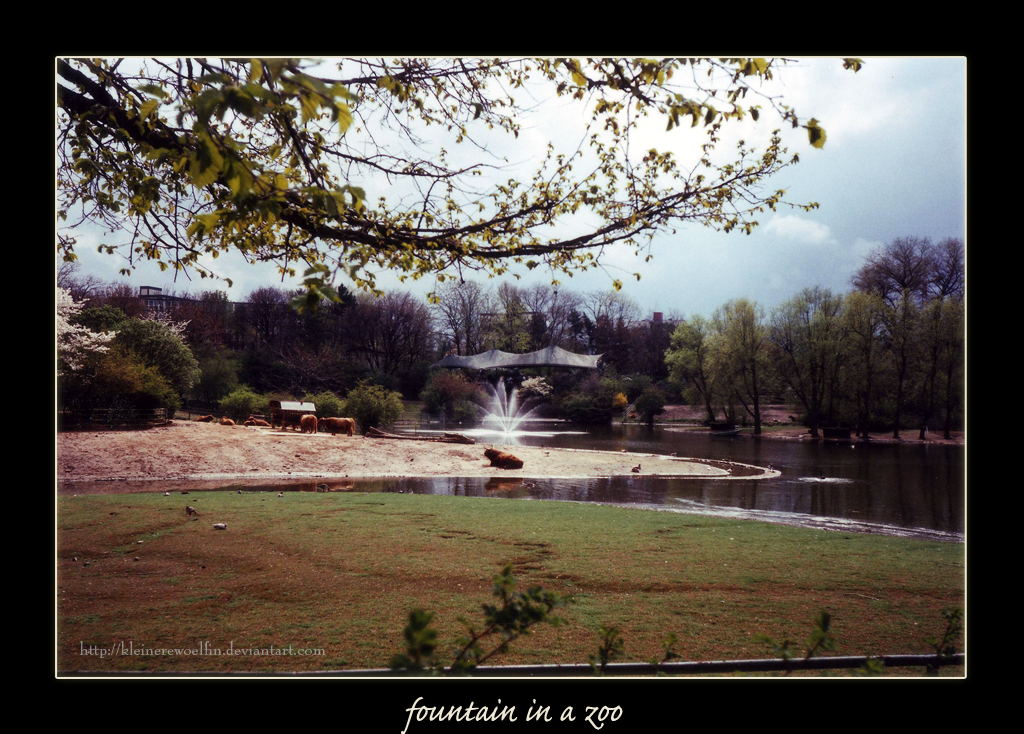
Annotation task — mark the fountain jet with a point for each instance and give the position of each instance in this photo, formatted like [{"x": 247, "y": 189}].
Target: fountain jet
[{"x": 505, "y": 410}]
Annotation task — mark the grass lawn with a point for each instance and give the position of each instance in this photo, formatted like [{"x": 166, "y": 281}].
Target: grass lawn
[{"x": 341, "y": 571}]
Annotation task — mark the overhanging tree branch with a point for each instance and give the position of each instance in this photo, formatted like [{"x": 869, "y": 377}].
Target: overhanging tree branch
[{"x": 252, "y": 150}]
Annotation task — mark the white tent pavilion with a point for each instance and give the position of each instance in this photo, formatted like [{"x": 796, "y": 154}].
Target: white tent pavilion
[{"x": 496, "y": 359}]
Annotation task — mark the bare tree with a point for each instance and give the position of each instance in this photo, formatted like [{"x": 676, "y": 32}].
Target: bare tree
[
  {"x": 554, "y": 305},
  {"x": 81, "y": 289},
  {"x": 123, "y": 297},
  {"x": 390, "y": 332},
  {"x": 458, "y": 313},
  {"x": 948, "y": 272},
  {"x": 904, "y": 266},
  {"x": 267, "y": 316},
  {"x": 615, "y": 306}
]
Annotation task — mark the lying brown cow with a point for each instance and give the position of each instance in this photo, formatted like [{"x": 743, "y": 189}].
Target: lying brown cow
[
  {"x": 250, "y": 421},
  {"x": 502, "y": 460},
  {"x": 308, "y": 423},
  {"x": 338, "y": 425},
  {"x": 225, "y": 421},
  {"x": 206, "y": 419}
]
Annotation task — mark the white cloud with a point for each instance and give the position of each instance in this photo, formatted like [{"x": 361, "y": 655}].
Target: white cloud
[{"x": 794, "y": 229}]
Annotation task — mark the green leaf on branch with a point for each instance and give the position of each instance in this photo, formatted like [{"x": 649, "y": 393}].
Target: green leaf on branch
[
  {"x": 148, "y": 107},
  {"x": 514, "y": 616},
  {"x": 206, "y": 162},
  {"x": 815, "y": 133}
]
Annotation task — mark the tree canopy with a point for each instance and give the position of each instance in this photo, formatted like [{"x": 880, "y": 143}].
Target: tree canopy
[{"x": 270, "y": 158}]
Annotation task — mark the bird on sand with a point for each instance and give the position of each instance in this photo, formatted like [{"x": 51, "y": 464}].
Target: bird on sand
[{"x": 636, "y": 469}]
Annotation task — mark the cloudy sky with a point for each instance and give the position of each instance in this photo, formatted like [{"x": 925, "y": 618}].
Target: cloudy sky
[{"x": 894, "y": 165}]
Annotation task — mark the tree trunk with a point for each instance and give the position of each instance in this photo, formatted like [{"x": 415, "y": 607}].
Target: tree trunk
[
  {"x": 709, "y": 409},
  {"x": 899, "y": 402},
  {"x": 949, "y": 402},
  {"x": 757, "y": 401}
]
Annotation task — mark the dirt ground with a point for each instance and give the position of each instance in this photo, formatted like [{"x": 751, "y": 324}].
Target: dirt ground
[{"x": 203, "y": 451}]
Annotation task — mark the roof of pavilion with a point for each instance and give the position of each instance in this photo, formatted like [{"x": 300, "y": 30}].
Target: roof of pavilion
[{"x": 494, "y": 359}]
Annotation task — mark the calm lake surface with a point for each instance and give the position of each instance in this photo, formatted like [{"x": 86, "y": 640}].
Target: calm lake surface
[
  {"x": 893, "y": 489},
  {"x": 907, "y": 490}
]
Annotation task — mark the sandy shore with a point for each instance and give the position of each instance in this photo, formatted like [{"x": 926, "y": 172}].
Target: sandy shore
[{"x": 203, "y": 451}]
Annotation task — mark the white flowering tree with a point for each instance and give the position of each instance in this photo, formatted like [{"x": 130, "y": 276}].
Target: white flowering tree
[{"x": 75, "y": 342}]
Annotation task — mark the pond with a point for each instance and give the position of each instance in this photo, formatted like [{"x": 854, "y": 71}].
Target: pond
[
  {"x": 914, "y": 490},
  {"x": 896, "y": 489}
]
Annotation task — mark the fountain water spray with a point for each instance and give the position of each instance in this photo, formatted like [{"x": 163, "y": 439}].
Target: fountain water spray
[{"x": 505, "y": 409}]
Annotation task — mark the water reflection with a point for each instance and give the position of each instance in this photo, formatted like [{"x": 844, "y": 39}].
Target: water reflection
[{"x": 886, "y": 488}]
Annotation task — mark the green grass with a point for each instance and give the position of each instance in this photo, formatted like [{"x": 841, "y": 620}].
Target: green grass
[{"x": 341, "y": 571}]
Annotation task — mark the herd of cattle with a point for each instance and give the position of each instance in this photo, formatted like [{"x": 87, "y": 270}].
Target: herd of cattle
[{"x": 305, "y": 424}]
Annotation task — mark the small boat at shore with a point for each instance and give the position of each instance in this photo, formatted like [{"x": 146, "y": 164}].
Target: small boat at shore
[
  {"x": 723, "y": 429},
  {"x": 725, "y": 432}
]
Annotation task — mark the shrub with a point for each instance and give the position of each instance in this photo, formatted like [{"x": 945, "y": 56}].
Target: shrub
[
  {"x": 117, "y": 378},
  {"x": 620, "y": 401},
  {"x": 636, "y": 385},
  {"x": 373, "y": 405},
  {"x": 535, "y": 388},
  {"x": 453, "y": 395},
  {"x": 101, "y": 318},
  {"x": 583, "y": 408},
  {"x": 159, "y": 346},
  {"x": 592, "y": 402},
  {"x": 563, "y": 384},
  {"x": 650, "y": 403},
  {"x": 242, "y": 403},
  {"x": 328, "y": 405}
]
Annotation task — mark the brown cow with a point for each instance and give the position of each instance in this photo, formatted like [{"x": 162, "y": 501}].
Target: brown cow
[
  {"x": 206, "y": 419},
  {"x": 308, "y": 423},
  {"x": 502, "y": 460},
  {"x": 256, "y": 422},
  {"x": 346, "y": 426},
  {"x": 225, "y": 421}
]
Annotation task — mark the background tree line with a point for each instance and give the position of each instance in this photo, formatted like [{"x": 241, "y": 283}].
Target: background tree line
[{"x": 886, "y": 355}]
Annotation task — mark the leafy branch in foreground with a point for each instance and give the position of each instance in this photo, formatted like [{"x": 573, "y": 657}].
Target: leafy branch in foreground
[
  {"x": 821, "y": 639},
  {"x": 944, "y": 646},
  {"x": 268, "y": 158},
  {"x": 515, "y": 614},
  {"x": 610, "y": 646}
]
